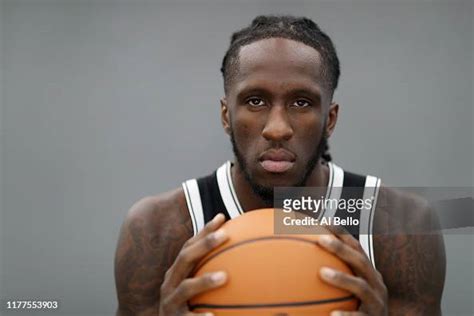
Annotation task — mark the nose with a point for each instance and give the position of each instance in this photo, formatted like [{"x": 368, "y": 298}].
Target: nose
[{"x": 277, "y": 127}]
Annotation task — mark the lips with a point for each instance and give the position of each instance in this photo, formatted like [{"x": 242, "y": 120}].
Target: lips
[{"x": 277, "y": 161}]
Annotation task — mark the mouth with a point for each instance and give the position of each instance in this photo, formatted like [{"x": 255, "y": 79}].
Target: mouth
[{"x": 277, "y": 161}]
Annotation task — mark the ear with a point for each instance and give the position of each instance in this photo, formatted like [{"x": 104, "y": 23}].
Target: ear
[
  {"x": 332, "y": 118},
  {"x": 225, "y": 120}
]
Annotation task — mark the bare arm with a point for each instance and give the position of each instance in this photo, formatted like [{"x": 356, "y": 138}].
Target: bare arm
[
  {"x": 413, "y": 264},
  {"x": 417, "y": 278},
  {"x": 151, "y": 236}
]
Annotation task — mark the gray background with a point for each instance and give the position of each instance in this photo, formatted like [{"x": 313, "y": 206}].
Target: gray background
[{"x": 104, "y": 102}]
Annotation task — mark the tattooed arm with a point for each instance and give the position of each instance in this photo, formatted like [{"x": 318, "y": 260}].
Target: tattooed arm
[
  {"x": 151, "y": 236},
  {"x": 409, "y": 252}
]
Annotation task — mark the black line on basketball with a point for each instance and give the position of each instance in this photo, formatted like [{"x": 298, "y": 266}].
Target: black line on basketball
[
  {"x": 269, "y": 305},
  {"x": 248, "y": 242}
]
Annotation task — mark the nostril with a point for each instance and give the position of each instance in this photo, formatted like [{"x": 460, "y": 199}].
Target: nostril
[{"x": 277, "y": 132}]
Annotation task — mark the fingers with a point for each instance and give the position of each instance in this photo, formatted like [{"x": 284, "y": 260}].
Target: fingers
[
  {"x": 193, "y": 286},
  {"x": 356, "y": 259},
  {"x": 341, "y": 233},
  {"x": 368, "y": 283},
  {"x": 190, "y": 255},
  {"x": 353, "y": 284},
  {"x": 211, "y": 226},
  {"x": 177, "y": 288}
]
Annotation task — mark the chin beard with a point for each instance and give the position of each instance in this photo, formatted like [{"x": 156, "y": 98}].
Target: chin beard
[{"x": 267, "y": 193}]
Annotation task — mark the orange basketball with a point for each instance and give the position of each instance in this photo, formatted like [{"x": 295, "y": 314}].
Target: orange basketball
[{"x": 270, "y": 274}]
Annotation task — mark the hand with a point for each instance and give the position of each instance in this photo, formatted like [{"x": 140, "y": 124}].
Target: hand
[
  {"x": 367, "y": 284},
  {"x": 177, "y": 288}
]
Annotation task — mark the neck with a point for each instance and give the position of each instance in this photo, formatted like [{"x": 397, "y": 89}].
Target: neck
[{"x": 249, "y": 200}]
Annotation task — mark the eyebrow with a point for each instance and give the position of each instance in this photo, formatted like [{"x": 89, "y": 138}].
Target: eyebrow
[{"x": 313, "y": 93}]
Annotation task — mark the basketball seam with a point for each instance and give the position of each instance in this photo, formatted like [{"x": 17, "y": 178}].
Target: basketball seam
[
  {"x": 266, "y": 305},
  {"x": 250, "y": 241}
]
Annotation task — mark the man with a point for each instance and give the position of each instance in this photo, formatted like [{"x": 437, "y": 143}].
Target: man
[{"x": 280, "y": 74}]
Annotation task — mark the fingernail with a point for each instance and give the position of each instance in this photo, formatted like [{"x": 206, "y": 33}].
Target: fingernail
[
  {"x": 218, "y": 217},
  {"x": 328, "y": 273},
  {"x": 218, "y": 277},
  {"x": 208, "y": 314},
  {"x": 325, "y": 240},
  {"x": 219, "y": 235},
  {"x": 337, "y": 313}
]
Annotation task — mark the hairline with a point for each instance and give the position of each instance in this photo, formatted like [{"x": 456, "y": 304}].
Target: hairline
[{"x": 234, "y": 63}]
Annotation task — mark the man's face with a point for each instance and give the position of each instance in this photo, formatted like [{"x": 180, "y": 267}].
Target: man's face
[{"x": 276, "y": 111}]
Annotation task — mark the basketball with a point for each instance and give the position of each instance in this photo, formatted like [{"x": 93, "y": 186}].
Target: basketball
[{"x": 270, "y": 274}]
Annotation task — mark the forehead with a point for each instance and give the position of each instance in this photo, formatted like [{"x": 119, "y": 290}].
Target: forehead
[{"x": 279, "y": 62}]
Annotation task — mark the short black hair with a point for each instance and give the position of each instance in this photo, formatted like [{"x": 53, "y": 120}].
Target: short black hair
[{"x": 299, "y": 29}]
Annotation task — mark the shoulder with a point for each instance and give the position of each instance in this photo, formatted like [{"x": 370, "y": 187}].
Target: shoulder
[
  {"x": 160, "y": 210},
  {"x": 156, "y": 222},
  {"x": 400, "y": 211}
]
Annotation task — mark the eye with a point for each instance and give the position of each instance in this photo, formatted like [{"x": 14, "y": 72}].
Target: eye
[
  {"x": 255, "y": 102},
  {"x": 301, "y": 103}
]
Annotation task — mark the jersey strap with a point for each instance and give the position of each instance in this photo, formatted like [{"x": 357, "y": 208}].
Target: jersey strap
[
  {"x": 227, "y": 191},
  {"x": 371, "y": 191},
  {"x": 193, "y": 200}
]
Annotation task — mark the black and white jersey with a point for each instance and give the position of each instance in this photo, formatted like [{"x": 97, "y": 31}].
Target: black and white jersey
[{"x": 215, "y": 193}]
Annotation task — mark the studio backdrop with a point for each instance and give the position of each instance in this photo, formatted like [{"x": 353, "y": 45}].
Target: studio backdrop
[{"x": 106, "y": 102}]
